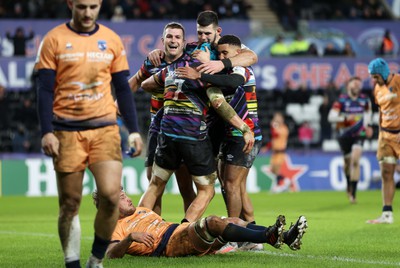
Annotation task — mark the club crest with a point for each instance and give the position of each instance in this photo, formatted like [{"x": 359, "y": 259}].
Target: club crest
[{"x": 102, "y": 45}]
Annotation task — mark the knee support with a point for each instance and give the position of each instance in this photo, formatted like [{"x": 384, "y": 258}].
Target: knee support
[
  {"x": 162, "y": 173},
  {"x": 388, "y": 160},
  {"x": 205, "y": 180}
]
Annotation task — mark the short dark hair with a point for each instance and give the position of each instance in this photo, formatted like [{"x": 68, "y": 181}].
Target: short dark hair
[
  {"x": 174, "y": 25},
  {"x": 354, "y": 78},
  {"x": 230, "y": 39},
  {"x": 206, "y": 18}
]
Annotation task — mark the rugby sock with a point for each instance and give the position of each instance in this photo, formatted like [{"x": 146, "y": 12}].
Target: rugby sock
[
  {"x": 236, "y": 233},
  {"x": 73, "y": 247},
  {"x": 353, "y": 188},
  {"x": 253, "y": 226},
  {"x": 387, "y": 208},
  {"x": 348, "y": 182},
  {"x": 184, "y": 220},
  {"x": 279, "y": 180},
  {"x": 99, "y": 247},
  {"x": 73, "y": 264}
]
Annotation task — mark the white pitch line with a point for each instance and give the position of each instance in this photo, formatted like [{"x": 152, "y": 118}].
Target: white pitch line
[
  {"x": 335, "y": 258},
  {"x": 280, "y": 254},
  {"x": 37, "y": 234}
]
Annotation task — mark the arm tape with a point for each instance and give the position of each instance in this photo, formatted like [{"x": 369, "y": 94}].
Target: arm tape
[
  {"x": 227, "y": 80},
  {"x": 227, "y": 63}
]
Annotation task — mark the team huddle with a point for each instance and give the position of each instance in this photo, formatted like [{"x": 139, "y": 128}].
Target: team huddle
[{"x": 204, "y": 127}]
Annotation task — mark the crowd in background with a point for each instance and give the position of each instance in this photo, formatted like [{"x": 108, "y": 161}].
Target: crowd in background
[
  {"x": 19, "y": 126},
  {"x": 290, "y": 12},
  {"x": 120, "y": 10}
]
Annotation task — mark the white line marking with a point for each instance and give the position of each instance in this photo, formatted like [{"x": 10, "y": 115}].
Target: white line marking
[
  {"x": 37, "y": 234},
  {"x": 280, "y": 254},
  {"x": 325, "y": 258}
]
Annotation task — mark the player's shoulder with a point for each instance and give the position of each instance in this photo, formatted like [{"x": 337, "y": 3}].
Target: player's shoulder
[
  {"x": 190, "y": 47},
  {"x": 57, "y": 31},
  {"x": 107, "y": 31}
]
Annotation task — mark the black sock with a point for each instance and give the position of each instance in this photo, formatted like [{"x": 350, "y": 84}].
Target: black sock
[
  {"x": 73, "y": 264},
  {"x": 236, "y": 233},
  {"x": 387, "y": 208},
  {"x": 99, "y": 247},
  {"x": 348, "y": 182},
  {"x": 184, "y": 220},
  {"x": 256, "y": 227},
  {"x": 353, "y": 188}
]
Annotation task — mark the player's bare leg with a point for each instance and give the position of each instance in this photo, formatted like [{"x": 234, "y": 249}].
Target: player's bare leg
[{"x": 69, "y": 200}]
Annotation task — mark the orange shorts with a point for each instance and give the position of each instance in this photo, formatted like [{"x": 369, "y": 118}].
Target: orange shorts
[
  {"x": 81, "y": 148},
  {"x": 185, "y": 241},
  {"x": 388, "y": 145},
  {"x": 277, "y": 159}
]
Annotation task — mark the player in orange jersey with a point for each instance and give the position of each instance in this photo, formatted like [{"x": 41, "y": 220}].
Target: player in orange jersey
[
  {"x": 278, "y": 144},
  {"x": 140, "y": 231},
  {"x": 76, "y": 63},
  {"x": 387, "y": 97}
]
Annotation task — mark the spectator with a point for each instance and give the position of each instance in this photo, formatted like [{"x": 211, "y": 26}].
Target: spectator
[
  {"x": 348, "y": 50},
  {"x": 305, "y": 135},
  {"x": 299, "y": 45},
  {"x": 26, "y": 114},
  {"x": 287, "y": 13},
  {"x": 21, "y": 141},
  {"x": 325, "y": 125},
  {"x": 118, "y": 15},
  {"x": 312, "y": 50},
  {"x": 330, "y": 50},
  {"x": 5, "y": 118},
  {"x": 387, "y": 45},
  {"x": 279, "y": 48},
  {"x": 19, "y": 40}
]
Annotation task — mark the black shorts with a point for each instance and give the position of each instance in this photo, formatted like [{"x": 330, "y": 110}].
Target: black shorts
[
  {"x": 347, "y": 142},
  {"x": 151, "y": 148},
  {"x": 232, "y": 153},
  {"x": 216, "y": 132},
  {"x": 197, "y": 155}
]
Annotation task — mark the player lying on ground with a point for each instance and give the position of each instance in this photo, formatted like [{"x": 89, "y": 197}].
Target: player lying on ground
[{"x": 140, "y": 231}]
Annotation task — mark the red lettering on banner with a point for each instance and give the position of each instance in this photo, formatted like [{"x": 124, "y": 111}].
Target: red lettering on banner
[
  {"x": 324, "y": 75},
  {"x": 343, "y": 74},
  {"x": 361, "y": 70},
  {"x": 314, "y": 75}
]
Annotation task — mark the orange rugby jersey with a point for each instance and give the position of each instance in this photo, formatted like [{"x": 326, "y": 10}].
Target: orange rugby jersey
[
  {"x": 83, "y": 65},
  {"x": 143, "y": 220},
  {"x": 279, "y": 138},
  {"x": 387, "y": 97}
]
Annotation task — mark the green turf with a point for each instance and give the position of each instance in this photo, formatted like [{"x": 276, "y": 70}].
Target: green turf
[{"x": 337, "y": 235}]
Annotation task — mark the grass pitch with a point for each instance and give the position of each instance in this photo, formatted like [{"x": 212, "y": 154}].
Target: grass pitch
[{"x": 337, "y": 235}]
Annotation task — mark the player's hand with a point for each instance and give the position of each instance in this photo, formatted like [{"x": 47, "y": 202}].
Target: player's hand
[
  {"x": 155, "y": 57},
  {"x": 369, "y": 132},
  {"x": 248, "y": 137},
  {"x": 135, "y": 144},
  {"x": 350, "y": 117},
  {"x": 144, "y": 238},
  {"x": 211, "y": 67},
  {"x": 201, "y": 55},
  {"x": 50, "y": 144},
  {"x": 187, "y": 72}
]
